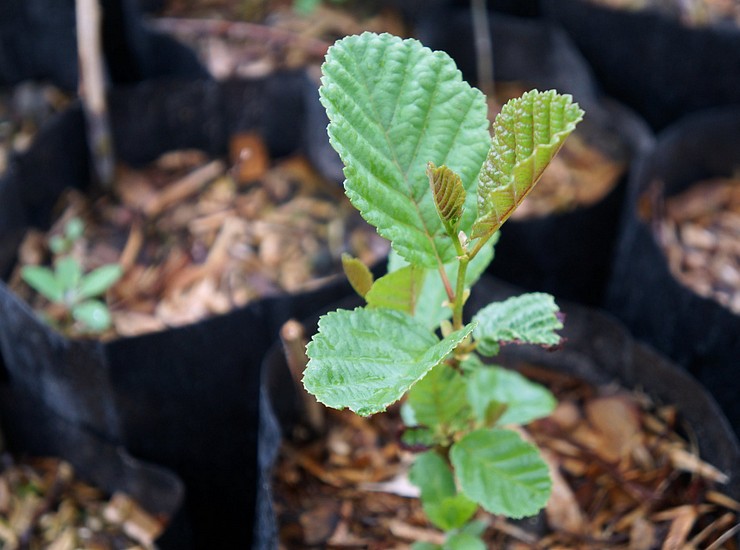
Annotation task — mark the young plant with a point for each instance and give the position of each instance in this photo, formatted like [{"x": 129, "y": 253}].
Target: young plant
[
  {"x": 421, "y": 166},
  {"x": 72, "y": 290}
]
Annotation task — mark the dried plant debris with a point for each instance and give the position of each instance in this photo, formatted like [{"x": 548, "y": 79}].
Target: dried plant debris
[
  {"x": 623, "y": 478},
  {"x": 196, "y": 238},
  {"x": 43, "y": 506},
  {"x": 255, "y": 42},
  {"x": 700, "y": 233},
  {"x": 581, "y": 174},
  {"x": 689, "y": 12},
  {"x": 23, "y": 109}
]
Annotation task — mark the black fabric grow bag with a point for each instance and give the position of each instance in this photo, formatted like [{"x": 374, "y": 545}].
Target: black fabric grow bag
[
  {"x": 186, "y": 397},
  {"x": 30, "y": 429},
  {"x": 38, "y": 41},
  {"x": 698, "y": 333},
  {"x": 597, "y": 349},
  {"x": 567, "y": 254},
  {"x": 653, "y": 63}
]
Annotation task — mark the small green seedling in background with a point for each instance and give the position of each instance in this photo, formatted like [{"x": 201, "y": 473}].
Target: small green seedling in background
[
  {"x": 422, "y": 167},
  {"x": 67, "y": 286},
  {"x": 306, "y": 7}
]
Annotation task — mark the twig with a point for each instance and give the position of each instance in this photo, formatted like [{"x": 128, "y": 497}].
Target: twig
[
  {"x": 239, "y": 30},
  {"x": 92, "y": 90},
  {"x": 185, "y": 187},
  {"x": 483, "y": 46},
  {"x": 294, "y": 345}
]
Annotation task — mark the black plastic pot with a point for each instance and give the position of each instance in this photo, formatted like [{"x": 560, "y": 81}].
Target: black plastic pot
[
  {"x": 653, "y": 63},
  {"x": 38, "y": 41},
  {"x": 698, "y": 333},
  {"x": 597, "y": 349},
  {"x": 185, "y": 397},
  {"x": 30, "y": 429},
  {"x": 567, "y": 254}
]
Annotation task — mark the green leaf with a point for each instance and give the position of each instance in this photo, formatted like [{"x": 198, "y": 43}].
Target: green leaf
[
  {"x": 419, "y": 437},
  {"x": 501, "y": 472},
  {"x": 393, "y": 106},
  {"x": 99, "y": 280},
  {"x": 94, "y": 315},
  {"x": 74, "y": 229},
  {"x": 367, "y": 359},
  {"x": 68, "y": 272},
  {"x": 397, "y": 290},
  {"x": 439, "y": 400},
  {"x": 448, "y": 193},
  {"x": 358, "y": 274},
  {"x": 43, "y": 281},
  {"x": 526, "y": 319},
  {"x": 528, "y": 133},
  {"x": 464, "y": 541},
  {"x": 442, "y": 504},
  {"x": 430, "y": 305},
  {"x": 489, "y": 385},
  {"x": 58, "y": 244}
]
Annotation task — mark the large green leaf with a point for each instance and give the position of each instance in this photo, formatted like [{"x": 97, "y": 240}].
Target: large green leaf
[
  {"x": 501, "y": 472},
  {"x": 394, "y": 106},
  {"x": 526, "y": 319},
  {"x": 443, "y": 505},
  {"x": 397, "y": 290},
  {"x": 528, "y": 133},
  {"x": 367, "y": 359},
  {"x": 439, "y": 400},
  {"x": 431, "y": 306},
  {"x": 490, "y": 387}
]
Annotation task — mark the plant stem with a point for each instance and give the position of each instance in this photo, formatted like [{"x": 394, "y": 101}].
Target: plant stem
[
  {"x": 457, "y": 309},
  {"x": 446, "y": 283},
  {"x": 480, "y": 244}
]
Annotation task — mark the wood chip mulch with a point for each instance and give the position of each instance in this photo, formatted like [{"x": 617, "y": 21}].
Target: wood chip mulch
[
  {"x": 623, "y": 479},
  {"x": 43, "y": 506},
  {"x": 700, "y": 233},
  {"x": 689, "y": 12},
  {"x": 197, "y": 237}
]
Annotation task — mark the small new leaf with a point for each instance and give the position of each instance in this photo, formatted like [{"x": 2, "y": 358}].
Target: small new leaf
[
  {"x": 449, "y": 196},
  {"x": 358, "y": 274},
  {"x": 501, "y": 472},
  {"x": 526, "y": 319},
  {"x": 444, "y": 506},
  {"x": 439, "y": 400},
  {"x": 528, "y": 133},
  {"x": 43, "y": 281},
  {"x": 397, "y": 290},
  {"x": 367, "y": 359},
  {"x": 431, "y": 307},
  {"x": 99, "y": 280},
  {"x": 94, "y": 315},
  {"x": 489, "y": 386}
]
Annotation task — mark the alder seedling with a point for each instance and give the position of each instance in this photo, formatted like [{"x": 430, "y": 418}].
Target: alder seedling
[
  {"x": 75, "y": 292},
  {"x": 422, "y": 167}
]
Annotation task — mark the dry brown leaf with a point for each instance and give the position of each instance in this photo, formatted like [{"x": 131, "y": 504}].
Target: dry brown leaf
[{"x": 617, "y": 420}]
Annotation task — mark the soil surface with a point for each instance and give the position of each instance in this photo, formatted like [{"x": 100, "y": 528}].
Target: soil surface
[{"x": 625, "y": 476}]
